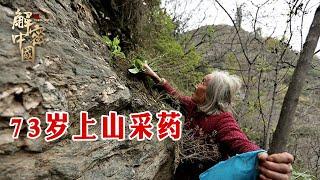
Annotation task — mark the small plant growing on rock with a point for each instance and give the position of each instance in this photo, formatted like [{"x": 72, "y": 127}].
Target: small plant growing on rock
[{"x": 114, "y": 46}]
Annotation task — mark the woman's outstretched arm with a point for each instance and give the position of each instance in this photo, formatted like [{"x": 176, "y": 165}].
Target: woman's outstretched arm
[{"x": 185, "y": 101}]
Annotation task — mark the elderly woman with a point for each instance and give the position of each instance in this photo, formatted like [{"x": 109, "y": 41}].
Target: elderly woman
[{"x": 209, "y": 108}]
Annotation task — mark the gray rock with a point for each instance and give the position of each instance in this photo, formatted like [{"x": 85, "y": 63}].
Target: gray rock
[{"x": 71, "y": 73}]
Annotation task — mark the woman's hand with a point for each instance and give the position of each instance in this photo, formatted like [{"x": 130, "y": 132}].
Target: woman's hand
[
  {"x": 148, "y": 71},
  {"x": 275, "y": 166}
]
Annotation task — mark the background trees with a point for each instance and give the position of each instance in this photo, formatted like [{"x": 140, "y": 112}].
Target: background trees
[
  {"x": 291, "y": 98},
  {"x": 266, "y": 65}
]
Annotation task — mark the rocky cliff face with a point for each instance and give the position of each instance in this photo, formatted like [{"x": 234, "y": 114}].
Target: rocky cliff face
[{"x": 72, "y": 73}]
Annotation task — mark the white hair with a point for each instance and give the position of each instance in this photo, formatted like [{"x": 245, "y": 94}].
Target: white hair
[{"x": 221, "y": 89}]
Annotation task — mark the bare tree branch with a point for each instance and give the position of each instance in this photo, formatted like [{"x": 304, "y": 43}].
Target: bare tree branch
[
  {"x": 237, "y": 31},
  {"x": 290, "y": 102}
]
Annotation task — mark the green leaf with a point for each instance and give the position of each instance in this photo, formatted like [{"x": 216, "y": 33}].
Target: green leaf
[
  {"x": 138, "y": 63},
  {"x": 106, "y": 40},
  {"x": 134, "y": 70},
  {"x": 116, "y": 41}
]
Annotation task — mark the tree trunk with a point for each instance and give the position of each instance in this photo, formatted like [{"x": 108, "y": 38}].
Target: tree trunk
[{"x": 291, "y": 98}]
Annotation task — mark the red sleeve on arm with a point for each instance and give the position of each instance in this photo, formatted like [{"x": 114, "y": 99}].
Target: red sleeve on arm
[
  {"x": 185, "y": 101},
  {"x": 231, "y": 137}
]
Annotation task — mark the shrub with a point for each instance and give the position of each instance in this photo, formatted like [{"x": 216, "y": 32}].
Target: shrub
[{"x": 166, "y": 55}]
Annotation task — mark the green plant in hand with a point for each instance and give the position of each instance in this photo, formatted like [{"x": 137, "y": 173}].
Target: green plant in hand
[
  {"x": 137, "y": 64},
  {"x": 114, "y": 46}
]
